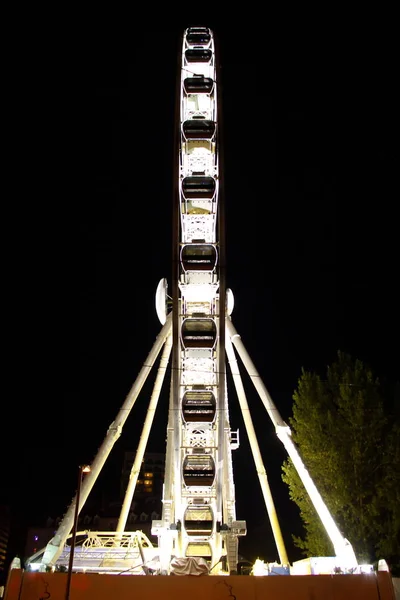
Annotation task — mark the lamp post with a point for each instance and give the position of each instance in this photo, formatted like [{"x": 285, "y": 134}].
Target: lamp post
[{"x": 82, "y": 469}]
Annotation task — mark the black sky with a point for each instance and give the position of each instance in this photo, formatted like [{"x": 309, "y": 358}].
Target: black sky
[{"x": 311, "y": 237}]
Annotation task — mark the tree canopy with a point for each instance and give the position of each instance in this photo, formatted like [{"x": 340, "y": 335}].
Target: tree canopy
[{"x": 348, "y": 436}]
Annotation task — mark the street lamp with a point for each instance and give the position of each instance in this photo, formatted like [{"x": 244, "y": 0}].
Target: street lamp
[{"x": 82, "y": 469}]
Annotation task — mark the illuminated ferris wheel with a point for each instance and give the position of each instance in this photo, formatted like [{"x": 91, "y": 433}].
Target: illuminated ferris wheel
[{"x": 198, "y": 524}]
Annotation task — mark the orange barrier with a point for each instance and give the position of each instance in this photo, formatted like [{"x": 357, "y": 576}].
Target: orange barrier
[{"x": 42, "y": 586}]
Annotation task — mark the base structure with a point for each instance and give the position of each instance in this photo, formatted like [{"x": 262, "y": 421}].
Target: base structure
[{"x": 25, "y": 586}]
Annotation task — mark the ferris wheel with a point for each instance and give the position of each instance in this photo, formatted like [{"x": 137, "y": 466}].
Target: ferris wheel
[{"x": 198, "y": 521}]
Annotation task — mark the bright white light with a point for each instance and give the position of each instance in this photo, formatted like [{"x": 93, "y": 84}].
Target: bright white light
[
  {"x": 366, "y": 568},
  {"x": 259, "y": 568}
]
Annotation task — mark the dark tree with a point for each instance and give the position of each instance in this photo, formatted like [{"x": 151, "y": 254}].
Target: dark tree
[{"x": 350, "y": 444}]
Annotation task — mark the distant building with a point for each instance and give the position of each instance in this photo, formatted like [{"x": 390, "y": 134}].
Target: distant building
[
  {"x": 147, "y": 500},
  {"x": 151, "y": 476},
  {"x": 5, "y": 525}
]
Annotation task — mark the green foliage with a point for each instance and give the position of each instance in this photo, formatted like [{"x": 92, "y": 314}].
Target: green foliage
[{"x": 351, "y": 448}]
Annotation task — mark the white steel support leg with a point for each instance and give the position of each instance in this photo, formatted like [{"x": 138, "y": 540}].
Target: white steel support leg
[
  {"x": 261, "y": 472},
  {"x": 229, "y": 501},
  {"x": 130, "y": 490},
  {"x": 254, "y": 376},
  {"x": 175, "y": 420},
  {"x": 162, "y": 529},
  {"x": 343, "y": 548},
  {"x": 56, "y": 544}
]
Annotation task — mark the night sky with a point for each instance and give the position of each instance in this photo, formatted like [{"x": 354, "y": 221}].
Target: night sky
[{"x": 310, "y": 169}]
